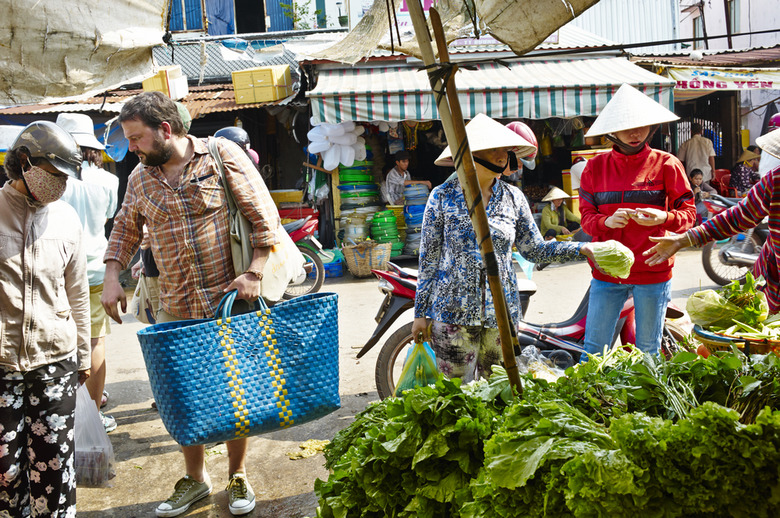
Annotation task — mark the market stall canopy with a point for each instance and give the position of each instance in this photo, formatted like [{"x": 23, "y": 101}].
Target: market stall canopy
[
  {"x": 529, "y": 90},
  {"x": 55, "y": 50},
  {"x": 692, "y": 82},
  {"x": 521, "y": 25}
]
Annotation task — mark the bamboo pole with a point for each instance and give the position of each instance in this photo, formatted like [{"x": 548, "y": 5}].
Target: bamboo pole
[{"x": 452, "y": 120}]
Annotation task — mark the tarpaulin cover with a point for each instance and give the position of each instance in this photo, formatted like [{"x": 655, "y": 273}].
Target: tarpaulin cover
[
  {"x": 54, "y": 50},
  {"x": 520, "y": 24}
]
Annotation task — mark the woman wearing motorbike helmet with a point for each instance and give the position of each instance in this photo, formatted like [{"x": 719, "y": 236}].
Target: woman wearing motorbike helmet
[
  {"x": 761, "y": 201},
  {"x": 45, "y": 347},
  {"x": 240, "y": 137},
  {"x": 452, "y": 291}
]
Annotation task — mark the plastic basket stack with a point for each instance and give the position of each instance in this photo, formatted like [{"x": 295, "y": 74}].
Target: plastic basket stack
[
  {"x": 384, "y": 229},
  {"x": 360, "y": 199},
  {"x": 398, "y": 212},
  {"x": 415, "y": 197}
]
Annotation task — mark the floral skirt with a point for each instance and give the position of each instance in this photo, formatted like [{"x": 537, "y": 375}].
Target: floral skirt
[
  {"x": 37, "y": 410},
  {"x": 465, "y": 352}
]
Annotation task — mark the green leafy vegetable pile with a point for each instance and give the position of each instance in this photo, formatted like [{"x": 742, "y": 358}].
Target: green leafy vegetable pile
[{"x": 623, "y": 435}]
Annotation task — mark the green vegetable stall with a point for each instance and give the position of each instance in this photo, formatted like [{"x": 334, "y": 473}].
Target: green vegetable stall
[{"x": 626, "y": 434}]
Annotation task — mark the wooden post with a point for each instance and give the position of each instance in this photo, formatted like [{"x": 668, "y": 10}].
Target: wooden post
[{"x": 455, "y": 130}]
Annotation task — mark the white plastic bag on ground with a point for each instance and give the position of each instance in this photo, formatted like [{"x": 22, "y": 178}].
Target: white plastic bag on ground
[{"x": 94, "y": 453}]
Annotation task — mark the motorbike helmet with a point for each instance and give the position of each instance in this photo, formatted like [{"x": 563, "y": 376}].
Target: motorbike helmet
[
  {"x": 236, "y": 134},
  {"x": 46, "y": 140},
  {"x": 527, "y": 133},
  {"x": 774, "y": 122}
]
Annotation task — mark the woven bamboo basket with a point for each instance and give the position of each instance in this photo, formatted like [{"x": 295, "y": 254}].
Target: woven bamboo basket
[
  {"x": 366, "y": 256},
  {"x": 720, "y": 342}
]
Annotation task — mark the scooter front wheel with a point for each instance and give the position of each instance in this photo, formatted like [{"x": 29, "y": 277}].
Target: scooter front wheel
[
  {"x": 390, "y": 361},
  {"x": 314, "y": 279}
]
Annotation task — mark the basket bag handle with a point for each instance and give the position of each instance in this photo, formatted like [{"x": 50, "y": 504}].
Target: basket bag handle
[{"x": 225, "y": 307}]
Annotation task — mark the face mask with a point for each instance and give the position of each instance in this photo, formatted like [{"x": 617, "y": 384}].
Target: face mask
[
  {"x": 498, "y": 169},
  {"x": 43, "y": 186}
]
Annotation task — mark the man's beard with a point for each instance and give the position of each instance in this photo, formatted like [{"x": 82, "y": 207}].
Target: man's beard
[{"x": 159, "y": 155}]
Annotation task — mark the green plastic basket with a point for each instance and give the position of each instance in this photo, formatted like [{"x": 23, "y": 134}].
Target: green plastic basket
[
  {"x": 384, "y": 219},
  {"x": 361, "y": 194}
]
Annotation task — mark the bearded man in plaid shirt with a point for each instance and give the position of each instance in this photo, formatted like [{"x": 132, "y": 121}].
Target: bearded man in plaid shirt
[{"x": 176, "y": 192}]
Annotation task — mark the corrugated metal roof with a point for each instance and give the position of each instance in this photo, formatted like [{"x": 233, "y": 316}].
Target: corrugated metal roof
[
  {"x": 200, "y": 101},
  {"x": 755, "y": 57},
  {"x": 217, "y": 68},
  {"x": 566, "y": 38},
  {"x": 634, "y": 21}
]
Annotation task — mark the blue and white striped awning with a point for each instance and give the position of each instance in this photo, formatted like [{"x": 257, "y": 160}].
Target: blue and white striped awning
[{"x": 527, "y": 90}]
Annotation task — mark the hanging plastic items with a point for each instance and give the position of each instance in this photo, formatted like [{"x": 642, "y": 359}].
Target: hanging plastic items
[
  {"x": 545, "y": 144},
  {"x": 337, "y": 143}
]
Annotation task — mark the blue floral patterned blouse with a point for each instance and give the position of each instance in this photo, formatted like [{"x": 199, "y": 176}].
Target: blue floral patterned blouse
[{"x": 453, "y": 286}]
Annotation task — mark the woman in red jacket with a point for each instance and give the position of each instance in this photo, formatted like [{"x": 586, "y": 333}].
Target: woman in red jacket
[{"x": 630, "y": 194}]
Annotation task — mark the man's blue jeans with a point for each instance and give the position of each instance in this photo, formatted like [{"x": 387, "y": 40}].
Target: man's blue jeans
[{"x": 604, "y": 305}]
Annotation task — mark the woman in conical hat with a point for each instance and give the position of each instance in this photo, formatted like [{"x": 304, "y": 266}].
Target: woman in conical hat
[
  {"x": 761, "y": 201},
  {"x": 630, "y": 194},
  {"x": 557, "y": 219},
  {"x": 453, "y": 295}
]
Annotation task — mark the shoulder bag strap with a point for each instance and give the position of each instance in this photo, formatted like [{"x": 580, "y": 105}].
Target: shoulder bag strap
[{"x": 214, "y": 152}]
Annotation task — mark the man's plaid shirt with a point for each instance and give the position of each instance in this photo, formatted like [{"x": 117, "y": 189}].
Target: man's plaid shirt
[{"x": 188, "y": 227}]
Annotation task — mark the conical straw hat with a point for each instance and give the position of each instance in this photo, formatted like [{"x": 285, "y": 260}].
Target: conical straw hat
[
  {"x": 555, "y": 194},
  {"x": 629, "y": 109},
  {"x": 485, "y": 133},
  {"x": 770, "y": 142},
  {"x": 747, "y": 155}
]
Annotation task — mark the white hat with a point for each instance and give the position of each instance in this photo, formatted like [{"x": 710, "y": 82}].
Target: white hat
[
  {"x": 555, "y": 194},
  {"x": 576, "y": 173},
  {"x": 80, "y": 126},
  {"x": 485, "y": 133},
  {"x": 770, "y": 142},
  {"x": 629, "y": 109}
]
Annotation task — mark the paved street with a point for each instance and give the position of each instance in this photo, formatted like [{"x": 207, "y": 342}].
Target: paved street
[{"x": 148, "y": 462}]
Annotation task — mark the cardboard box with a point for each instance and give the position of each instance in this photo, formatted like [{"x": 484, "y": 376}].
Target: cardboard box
[
  {"x": 262, "y": 84},
  {"x": 170, "y": 81}
]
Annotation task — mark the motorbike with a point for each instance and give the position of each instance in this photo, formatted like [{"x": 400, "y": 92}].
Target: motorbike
[
  {"x": 301, "y": 232},
  {"x": 561, "y": 342},
  {"x": 730, "y": 259}
]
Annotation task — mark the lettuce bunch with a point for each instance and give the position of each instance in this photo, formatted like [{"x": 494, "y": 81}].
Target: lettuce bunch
[{"x": 613, "y": 257}]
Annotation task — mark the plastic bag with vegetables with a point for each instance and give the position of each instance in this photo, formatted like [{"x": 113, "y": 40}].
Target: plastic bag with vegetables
[
  {"x": 614, "y": 258},
  {"x": 734, "y": 302}
]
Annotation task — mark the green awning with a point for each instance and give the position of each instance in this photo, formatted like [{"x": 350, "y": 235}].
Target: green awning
[{"x": 533, "y": 89}]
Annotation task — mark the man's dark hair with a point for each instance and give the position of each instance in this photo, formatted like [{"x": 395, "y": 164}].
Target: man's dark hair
[
  {"x": 695, "y": 128},
  {"x": 401, "y": 155},
  {"x": 755, "y": 149},
  {"x": 695, "y": 172},
  {"x": 152, "y": 109}
]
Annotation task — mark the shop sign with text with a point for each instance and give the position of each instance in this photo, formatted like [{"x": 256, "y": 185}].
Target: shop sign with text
[{"x": 725, "y": 79}]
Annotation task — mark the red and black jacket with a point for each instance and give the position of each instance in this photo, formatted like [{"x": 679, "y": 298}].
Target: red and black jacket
[{"x": 648, "y": 179}]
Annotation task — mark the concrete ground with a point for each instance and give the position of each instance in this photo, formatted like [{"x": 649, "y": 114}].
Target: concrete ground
[{"x": 148, "y": 461}]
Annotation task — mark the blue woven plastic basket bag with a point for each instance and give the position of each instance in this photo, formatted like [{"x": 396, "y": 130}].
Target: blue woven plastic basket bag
[{"x": 236, "y": 376}]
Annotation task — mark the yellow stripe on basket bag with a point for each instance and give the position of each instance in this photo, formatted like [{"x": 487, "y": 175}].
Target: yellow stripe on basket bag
[
  {"x": 234, "y": 380},
  {"x": 277, "y": 373}
]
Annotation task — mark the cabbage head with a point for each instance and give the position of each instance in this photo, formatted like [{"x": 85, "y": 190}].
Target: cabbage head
[
  {"x": 708, "y": 308},
  {"x": 613, "y": 257}
]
